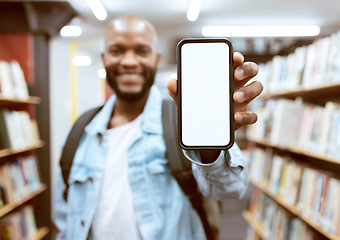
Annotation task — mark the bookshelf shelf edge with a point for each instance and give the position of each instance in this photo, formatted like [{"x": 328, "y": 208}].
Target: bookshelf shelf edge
[
  {"x": 11, "y": 206},
  {"x": 30, "y": 100},
  {"x": 256, "y": 225},
  {"x": 8, "y": 152},
  {"x": 296, "y": 151},
  {"x": 40, "y": 234},
  {"x": 303, "y": 92}
]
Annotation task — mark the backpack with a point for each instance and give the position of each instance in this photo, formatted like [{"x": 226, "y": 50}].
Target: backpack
[{"x": 180, "y": 167}]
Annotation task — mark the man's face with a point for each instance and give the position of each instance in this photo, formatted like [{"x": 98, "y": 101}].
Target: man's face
[{"x": 130, "y": 59}]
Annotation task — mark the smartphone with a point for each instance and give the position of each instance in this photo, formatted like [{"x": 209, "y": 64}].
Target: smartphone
[{"x": 205, "y": 93}]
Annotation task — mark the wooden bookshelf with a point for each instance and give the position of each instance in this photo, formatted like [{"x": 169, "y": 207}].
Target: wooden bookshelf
[
  {"x": 29, "y": 27},
  {"x": 5, "y": 102},
  {"x": 328, "y": 91},
  {"x": 9, "y": 152},
  {"x": 40, "y": 234},
  {"x": 320, "y": 157},
  {"x": 11, "y": 206},
  {"x": 256, "y": 225},
  {"x": 293, "y": 210}
]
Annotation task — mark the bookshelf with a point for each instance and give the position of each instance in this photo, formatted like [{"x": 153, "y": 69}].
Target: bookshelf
[
  {"x": 25, "y": 30},
  {"x": 256, "y": 225},
  {"x": 296, "y": 138},
  {"x": 12, "y": 206},
  {"x": 7, "y": 102},
  {"x": 17, "y": 188},
  {"x": 292, "y": 209},
  {"x": 41, "y": 233},
  {"x": 320, "y": 157},
  {"x": 11, "y": 152},
  {"x": 327, "y": 91}
]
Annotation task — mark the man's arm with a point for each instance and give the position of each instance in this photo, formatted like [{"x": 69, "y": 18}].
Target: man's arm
[
  {"x": 224, "y": 173},
  {"x": 226, "y": 177}
]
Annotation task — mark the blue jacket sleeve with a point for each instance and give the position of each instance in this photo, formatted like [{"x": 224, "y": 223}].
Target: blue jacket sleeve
[{"x": 227, "y": 177}]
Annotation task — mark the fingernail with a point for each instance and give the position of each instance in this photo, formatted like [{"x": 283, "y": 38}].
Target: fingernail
[
  {"x": 238, "y": 117},
  {"x": 239, "y": 96},
  {"x": 239, "y": 73}
]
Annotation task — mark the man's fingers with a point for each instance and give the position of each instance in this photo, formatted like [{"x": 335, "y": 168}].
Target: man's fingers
[
  {"x": 248, "y": 93},
  {"x": 244, "y": 118},
  {"x": 244, "y": 73},
  {"x": 172, "y": 88},
  {"x": 238, "y": 59}
]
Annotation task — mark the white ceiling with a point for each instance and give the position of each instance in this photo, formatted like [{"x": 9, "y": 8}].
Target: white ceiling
[{"x": 169, "y": 16}]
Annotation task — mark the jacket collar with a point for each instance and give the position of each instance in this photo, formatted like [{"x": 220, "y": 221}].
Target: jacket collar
[{"x": 151, "y": 119}]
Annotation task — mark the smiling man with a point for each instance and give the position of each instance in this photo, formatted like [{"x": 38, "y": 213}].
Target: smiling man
[
  {"x": 131, "y": 58},
  {"x": 120, "y": 186}
]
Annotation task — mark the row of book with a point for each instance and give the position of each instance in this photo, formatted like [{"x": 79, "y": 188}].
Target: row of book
[
  {"x": 317, "y": 64},
  {"x": 19, "y": 225},
  {"x": 18, "y": 179},
  {"x": 12, "y": 80},
  {"x": 315, "y": 193},
  {"x": 17, "y": 130},
  {"x": 277, "y": 223},
  {"x": 300, "y": 125}
]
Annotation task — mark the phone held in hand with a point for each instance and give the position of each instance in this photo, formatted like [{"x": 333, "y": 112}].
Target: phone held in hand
[{"x": 205, "y": 93}]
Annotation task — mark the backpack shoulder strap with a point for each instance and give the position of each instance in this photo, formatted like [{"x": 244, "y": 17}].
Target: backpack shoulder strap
[
  {"x": 72, "y": 142},
  {"x": 179, "y": 166}
]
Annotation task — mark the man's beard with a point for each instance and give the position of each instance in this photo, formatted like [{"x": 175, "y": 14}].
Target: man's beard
[{"x": 149, "y": 78}]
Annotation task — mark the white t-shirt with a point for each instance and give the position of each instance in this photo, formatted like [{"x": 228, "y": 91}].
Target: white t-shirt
[{"x": 115, "y": 217}]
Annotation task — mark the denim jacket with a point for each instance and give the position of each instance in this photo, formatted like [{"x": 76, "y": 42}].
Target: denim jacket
[{"x": 163, "y": 211}]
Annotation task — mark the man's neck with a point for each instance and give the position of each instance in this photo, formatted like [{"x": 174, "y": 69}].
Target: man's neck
[{"x": 126, "y": 111}]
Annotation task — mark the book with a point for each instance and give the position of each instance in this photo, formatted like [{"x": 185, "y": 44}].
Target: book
[
  {"x": 330, "y": 219},
  {"x": 316, "y": 131},
  {"x": 16, "y": 127},
  {"x": 276, "y": 173},
  {"x": 7, "y": 88},
  {"x": 19, "y": 83},
  {"x": 333, "y": 68},
  {"x": 286, "y": 123},
  {"x": 4, "y": 131},
  {"x": 19, "y": 178},
  {"x": 30, "y": 171},
  {"x": 327, "y": 128},
  {"x": 19, "y": 225},
  {"x": 6, "y": 183},
  {"x": 294, "y": 183},
  {"x": 307, "y": 67}
]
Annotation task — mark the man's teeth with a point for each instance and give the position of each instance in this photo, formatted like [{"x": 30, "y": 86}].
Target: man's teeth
[{"x": 130, "y": 76}]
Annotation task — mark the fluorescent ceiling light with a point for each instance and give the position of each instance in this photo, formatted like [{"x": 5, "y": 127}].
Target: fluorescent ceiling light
[
  {"x": 101, "y": 73},
  {"x": 261, "y": 31},
  {"x": 194, "y": 9},
  {"x": 70, "y": 31},
  {"x": 81, "y": 61},
  {"x": 97, "y": 8}
]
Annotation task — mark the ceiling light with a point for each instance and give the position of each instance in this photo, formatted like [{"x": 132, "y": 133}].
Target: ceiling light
[
  {"x": 97, "y": 8},
  {"x": 194, "y": 9},
  {"x": 261, "y": 31},
  {"x": 70, "y": 31},
  {"x": 101, "y": 73},
  {"x": 81, "y": 61}
]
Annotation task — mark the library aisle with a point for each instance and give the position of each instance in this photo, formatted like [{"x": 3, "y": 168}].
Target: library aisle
[{"x": 295, "y": 149}]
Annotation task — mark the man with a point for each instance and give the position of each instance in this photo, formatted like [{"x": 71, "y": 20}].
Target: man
[{"x": 120, "y": 186}]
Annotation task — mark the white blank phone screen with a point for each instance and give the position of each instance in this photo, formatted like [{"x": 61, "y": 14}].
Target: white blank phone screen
[{"x": 205, "y": 94}]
